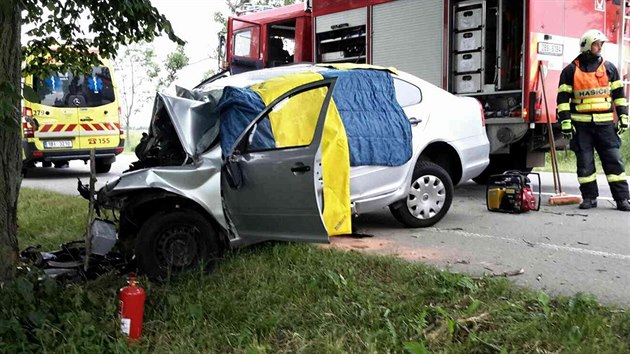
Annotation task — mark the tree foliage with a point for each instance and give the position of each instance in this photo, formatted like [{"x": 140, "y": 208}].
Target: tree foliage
[
  {"x": 112, "y": 23},
  {"x": 174, "y": 62}
]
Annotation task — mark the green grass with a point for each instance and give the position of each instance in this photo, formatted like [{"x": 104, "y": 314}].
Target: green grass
[
  {"x": 286, "y": 298},
  {"x": 566, "y": 160},
  {"x": 49, "y": 219},
  {"x": 134, "y": 139}
]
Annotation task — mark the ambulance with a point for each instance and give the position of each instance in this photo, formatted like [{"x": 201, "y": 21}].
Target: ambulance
[{"x": 65, "y": 115}]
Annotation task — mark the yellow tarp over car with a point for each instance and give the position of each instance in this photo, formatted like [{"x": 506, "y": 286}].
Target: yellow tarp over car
[{"x": 294, "y": 125}]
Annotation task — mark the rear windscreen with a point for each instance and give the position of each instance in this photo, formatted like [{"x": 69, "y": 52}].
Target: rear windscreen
[{"x": 68, "y": 90}]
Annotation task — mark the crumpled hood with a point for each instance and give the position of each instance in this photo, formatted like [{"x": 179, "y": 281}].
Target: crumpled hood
[{"x": 195, "y": 122}]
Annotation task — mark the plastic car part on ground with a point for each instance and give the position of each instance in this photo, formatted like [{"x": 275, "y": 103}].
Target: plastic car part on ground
[{"x": 68, "y": 263}]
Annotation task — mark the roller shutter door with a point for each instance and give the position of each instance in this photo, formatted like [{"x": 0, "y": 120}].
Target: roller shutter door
[{"x": 408, "y": 35}]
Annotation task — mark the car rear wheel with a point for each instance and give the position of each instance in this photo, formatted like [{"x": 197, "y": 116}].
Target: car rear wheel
[
  {"x": 430, "y": 196},
  {"x": 102, "y": 166},
  {"x": 174, "y": 242},
  {"x": 61, "y": 164}
]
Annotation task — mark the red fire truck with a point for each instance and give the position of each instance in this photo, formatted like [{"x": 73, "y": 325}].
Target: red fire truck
[{"x": 506, "y": 53}]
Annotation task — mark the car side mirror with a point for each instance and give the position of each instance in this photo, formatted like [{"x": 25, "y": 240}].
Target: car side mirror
[{"x": 232, "y": 171}]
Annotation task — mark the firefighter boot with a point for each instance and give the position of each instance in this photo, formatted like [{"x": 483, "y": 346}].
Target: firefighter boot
[
  {"x": 623, "y": 205},
  {"x": 589, "y": 203}
]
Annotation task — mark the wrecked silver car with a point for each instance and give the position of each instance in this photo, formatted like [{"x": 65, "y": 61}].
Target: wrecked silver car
[{"x": 291, "y": 154}]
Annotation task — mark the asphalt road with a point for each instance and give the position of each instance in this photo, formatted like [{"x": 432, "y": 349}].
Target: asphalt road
[
  {"x": 560, "y": 249},
  {"x": 64, "y": 180}
]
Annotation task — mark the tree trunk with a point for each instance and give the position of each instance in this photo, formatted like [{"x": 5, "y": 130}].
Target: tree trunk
[
  {"x": 127, "y": 142},
  {"x": 10, "y": 139}
]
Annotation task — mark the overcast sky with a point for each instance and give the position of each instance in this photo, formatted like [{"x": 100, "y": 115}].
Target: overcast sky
[{"x": 193, "y": 21}]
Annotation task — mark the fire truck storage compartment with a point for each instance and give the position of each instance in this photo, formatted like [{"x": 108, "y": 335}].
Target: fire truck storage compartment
[
  {"x": 469, "y": 19},
  {"x": 487, "y": 53},
  {"x": 468, "y": 83},
  {"x": 469, "y": 40},
  {"x": 342, "y": 37},
  {"x": 467, "y": 62}
]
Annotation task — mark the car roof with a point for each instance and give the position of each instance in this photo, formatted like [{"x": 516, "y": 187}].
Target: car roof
[
  {"x": 253, "y": 77},
  {"x": 249, "y": 78}
]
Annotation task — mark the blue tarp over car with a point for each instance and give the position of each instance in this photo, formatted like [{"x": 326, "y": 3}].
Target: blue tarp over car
[
  {"x": 378, "y": 131},
  {"x": 237, "y": 108}
]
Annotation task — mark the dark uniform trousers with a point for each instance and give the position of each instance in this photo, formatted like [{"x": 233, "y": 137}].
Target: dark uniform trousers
[{"x": 603, "y": 138}]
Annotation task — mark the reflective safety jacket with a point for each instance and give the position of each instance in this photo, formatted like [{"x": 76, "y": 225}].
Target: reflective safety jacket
[{"x": 588, "y": 90}]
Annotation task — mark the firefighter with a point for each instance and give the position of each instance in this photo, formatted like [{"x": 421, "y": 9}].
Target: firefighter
[{"x": 588, "y": 91}]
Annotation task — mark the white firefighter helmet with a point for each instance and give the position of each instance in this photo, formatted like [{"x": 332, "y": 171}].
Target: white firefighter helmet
[{"x": 589, "y": 37}]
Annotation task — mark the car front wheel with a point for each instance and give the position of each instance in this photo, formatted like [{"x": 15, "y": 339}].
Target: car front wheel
[
  {"x": 173, "y": 242},
  {"x": 430, "y": 196}
]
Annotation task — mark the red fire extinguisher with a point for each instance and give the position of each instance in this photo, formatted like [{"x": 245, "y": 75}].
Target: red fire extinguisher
[{"x": 131, "y": 308}]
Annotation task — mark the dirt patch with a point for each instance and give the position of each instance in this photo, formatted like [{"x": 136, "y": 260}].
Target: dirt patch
[
  {"x": 386, "y": 247},
  {"x": 350, "y": 243}
]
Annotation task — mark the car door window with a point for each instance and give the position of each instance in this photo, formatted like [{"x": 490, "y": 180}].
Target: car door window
[
  {"x": 407, "y": 94},
  {"x": 290, "y": 123}
]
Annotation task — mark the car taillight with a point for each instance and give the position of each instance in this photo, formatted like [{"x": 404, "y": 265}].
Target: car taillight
[
  {"x": 483, "y": 114},
  {"x": 28, "y": 130},
  {"x": 118, "y": 150}
]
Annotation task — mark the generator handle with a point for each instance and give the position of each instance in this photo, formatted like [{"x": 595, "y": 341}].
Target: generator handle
[{"x": 539, "y": 189}]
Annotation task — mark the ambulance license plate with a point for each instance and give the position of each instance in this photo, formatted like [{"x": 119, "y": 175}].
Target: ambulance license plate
[{"x": 56, "y": 144}]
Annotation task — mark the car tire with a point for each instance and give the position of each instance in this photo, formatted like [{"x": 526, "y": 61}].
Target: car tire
[
  {"x": 175, "y": 242},
  {"x": 61, "y": 164},
  {"x": 103, "y": 167},
  {"x": 430, "y": 196}
]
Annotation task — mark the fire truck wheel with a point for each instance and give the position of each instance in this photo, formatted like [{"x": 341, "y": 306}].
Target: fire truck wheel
[
  {"x": 173, "y": 242},
  {"x": 103, "y": 167},
  {"x": 429, "y": 198}
]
